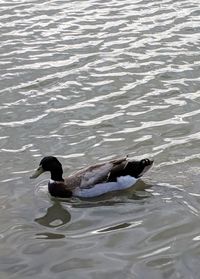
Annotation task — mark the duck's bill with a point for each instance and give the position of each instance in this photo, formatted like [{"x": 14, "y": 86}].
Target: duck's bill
[{"x": 37, "y": 173}]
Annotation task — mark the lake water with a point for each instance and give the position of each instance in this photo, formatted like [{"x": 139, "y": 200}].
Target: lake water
[{"x": 88, "y": 81}]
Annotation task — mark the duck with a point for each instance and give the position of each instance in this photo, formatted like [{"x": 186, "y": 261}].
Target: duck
[{"x": 94, "y": 180}]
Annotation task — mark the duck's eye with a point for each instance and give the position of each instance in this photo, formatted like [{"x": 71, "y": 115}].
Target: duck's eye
[{"x": 145, "y": 162}]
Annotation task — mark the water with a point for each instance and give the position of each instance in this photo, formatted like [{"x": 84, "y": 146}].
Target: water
[{"x": 88, "y": 81}]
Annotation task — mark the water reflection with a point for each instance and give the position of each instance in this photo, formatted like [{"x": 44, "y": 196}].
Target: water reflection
[
  {"x": 88, "y": 80},
  {"x": 56, "y": 216},
  {"x": 49, "y": 235},
  {"x": 118, "y": 227},
  {"x": 138, "y": 192}
]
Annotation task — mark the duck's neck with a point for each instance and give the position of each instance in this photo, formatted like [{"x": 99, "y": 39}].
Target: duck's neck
[{"x": 56, "y": 174}]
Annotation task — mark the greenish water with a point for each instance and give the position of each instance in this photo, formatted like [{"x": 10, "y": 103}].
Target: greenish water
[{"x": 88, "y": 81}]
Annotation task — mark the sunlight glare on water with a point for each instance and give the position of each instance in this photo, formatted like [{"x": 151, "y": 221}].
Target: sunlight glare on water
[{"x": 88, "y": 81}]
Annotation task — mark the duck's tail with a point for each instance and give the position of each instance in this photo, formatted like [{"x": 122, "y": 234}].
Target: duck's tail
[{"x": 130, "y": 167}]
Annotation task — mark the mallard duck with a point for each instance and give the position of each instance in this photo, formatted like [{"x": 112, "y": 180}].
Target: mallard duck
[{"x": 94, "y": 180}]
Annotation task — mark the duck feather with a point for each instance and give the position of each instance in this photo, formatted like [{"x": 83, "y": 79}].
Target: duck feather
[{"x": 93, "y": 180}]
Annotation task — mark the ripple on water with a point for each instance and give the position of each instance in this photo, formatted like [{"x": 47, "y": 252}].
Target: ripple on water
[{"x": 86, "y": 81}]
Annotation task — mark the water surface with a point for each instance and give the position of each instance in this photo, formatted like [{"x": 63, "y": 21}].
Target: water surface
[{"x": 88, "y": 81}]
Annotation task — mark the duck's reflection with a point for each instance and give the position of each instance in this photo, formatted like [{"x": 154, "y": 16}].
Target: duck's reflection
[
  {"x": 49, "y": 235},
  {"x": 56, "y": 216}
]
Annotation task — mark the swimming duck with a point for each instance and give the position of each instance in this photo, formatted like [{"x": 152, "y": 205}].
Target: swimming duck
[{"x": 94, "y": 180}]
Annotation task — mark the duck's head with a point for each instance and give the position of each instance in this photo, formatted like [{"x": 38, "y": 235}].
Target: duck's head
[{"x": 51, "y": 164}]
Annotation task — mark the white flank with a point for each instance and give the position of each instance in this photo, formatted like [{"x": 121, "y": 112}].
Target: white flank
[{"x": 123, "y": 182}]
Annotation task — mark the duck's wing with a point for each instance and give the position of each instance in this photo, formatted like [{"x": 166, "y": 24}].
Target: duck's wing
[
  {"x": 100, "y": 173},
  {"x": 85, "y": 177},
  {"x": 108, "y": 172}
]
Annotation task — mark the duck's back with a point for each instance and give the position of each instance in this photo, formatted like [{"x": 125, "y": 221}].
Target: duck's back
[{"x": 88, "y": 177}]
